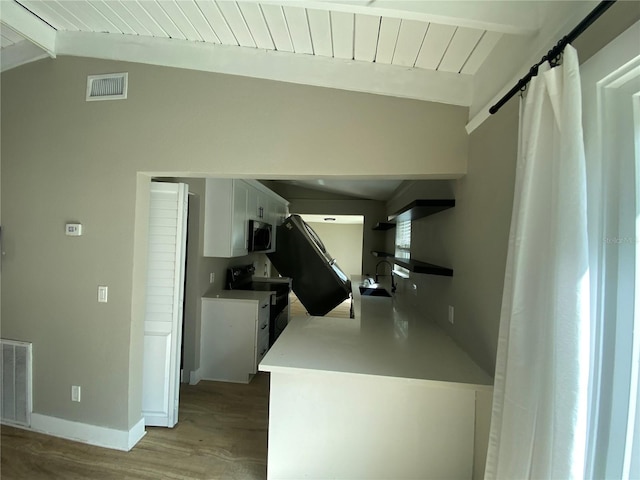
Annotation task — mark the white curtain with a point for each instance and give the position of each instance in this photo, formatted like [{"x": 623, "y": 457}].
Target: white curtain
[{"x": 539, "y": 405}]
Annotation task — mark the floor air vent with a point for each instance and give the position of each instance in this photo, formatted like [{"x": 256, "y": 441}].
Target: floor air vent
[
  {"x": 112, "y": 86},
  {"x": 15, "y": 373}
]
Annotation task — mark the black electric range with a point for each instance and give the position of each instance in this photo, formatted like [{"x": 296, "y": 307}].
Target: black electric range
[{"x": 242, "y": 278}]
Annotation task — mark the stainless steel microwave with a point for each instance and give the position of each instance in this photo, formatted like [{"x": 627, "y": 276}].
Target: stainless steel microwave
[{"x": 260, "y": 236}]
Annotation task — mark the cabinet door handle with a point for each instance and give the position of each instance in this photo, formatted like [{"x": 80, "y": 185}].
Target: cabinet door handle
[
  {"x": 265, "y": 306},
  {"x": 263, "y": 352},
  {"x": 264, "y": 326}
]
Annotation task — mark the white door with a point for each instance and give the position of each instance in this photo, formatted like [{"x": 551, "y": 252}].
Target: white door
[{"x": 164, "y": 303}]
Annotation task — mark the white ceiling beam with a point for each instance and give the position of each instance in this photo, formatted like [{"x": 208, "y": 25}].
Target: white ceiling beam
[
  {"x": 29, "y": 26},
  {"x": 19, "y": 54},
  {"x": 414, "y": 83},
  {"x": 513, "y": 17}
]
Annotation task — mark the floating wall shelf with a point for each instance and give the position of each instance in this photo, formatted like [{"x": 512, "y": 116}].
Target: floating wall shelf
[
  {"x": 415, "y": 265},
  {"x": 384, "y": 226},
  {"x": 423, "y": 267},
  {"x": 377, "y": 253},
  {"x": 415, "y": 210},
  {"x": 421, "y": 208}
]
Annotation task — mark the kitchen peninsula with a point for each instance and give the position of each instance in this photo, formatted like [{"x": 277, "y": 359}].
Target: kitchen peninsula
[{"x": 386, "y": 394}]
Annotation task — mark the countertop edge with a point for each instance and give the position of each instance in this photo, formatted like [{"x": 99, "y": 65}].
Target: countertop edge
[{"x": 433, "y": 383}]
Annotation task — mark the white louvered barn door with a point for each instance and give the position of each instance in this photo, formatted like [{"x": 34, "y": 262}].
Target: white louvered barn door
[{"x": 164, "y": 303}]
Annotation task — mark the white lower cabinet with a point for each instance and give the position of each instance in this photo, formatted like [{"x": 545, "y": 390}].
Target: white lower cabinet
[{"x": 234, "y": 335}]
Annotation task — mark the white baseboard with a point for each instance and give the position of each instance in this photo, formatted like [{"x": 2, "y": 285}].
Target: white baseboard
[
  {"x": 136, "y": 433},
  {"x": 93, "y": 435},
  {"x": 195, "y": 376}
]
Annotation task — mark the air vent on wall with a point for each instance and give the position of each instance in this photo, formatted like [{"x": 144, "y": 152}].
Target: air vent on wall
[
  {"x": 15, "y": 379},
  {"x": 112, "y": 86}
]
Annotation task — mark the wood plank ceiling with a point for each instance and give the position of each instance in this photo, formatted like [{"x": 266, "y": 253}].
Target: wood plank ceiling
[{"x": 285, "y": 28}]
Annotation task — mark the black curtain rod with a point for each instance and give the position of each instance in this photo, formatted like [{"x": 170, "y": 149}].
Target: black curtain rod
[{"x": 555, "y": 52}]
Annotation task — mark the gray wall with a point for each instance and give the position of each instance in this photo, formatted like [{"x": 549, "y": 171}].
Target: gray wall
[
  {"x": 64, "y": 159},
  {"x": 470, "y": 238},
  {"x": 67, "y": 160}
]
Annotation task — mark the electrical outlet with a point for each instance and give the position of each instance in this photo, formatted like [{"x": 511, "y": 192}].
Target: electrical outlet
[
  {"x": 212, "y": 277},
  {"x": 75, "y": 393},
  {"x": 451, "y": 314},
  {"x": 103, "y": 293}
]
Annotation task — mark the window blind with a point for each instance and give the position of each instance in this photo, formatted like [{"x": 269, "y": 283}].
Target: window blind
[{"x": 403, "y": 245}]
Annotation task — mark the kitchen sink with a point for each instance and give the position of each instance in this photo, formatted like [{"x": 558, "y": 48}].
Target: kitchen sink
[{"x": 373, "y": 291}]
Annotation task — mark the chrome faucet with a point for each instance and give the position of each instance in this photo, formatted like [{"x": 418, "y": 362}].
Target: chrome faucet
[{"x": 393, "y": 284}]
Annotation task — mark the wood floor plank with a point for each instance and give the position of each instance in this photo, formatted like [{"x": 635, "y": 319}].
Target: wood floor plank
[{"x": 221, "y": 434}]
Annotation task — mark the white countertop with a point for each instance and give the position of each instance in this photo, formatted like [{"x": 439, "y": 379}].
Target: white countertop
[{"x": 382, "y": 340}]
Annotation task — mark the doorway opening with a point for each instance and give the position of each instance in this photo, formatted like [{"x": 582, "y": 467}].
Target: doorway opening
[{"x": 343, "y": 237}]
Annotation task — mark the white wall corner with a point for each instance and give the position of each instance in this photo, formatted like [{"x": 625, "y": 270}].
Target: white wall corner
[
  {"x": 136, "y": 433},
  {"x": 195, "y": 376},
  {"x": 123, "y": 440},
  {"x": 20, "y": 54}
]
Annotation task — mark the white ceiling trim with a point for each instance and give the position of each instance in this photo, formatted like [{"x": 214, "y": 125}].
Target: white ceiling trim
[
  {"x": 29, "y": 26},
  {"x": 414, "y": 83},
  {"x": 19, "y": 54}
]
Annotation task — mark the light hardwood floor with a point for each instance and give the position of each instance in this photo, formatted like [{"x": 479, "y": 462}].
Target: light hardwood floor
[{"x": 221, "y": 434}]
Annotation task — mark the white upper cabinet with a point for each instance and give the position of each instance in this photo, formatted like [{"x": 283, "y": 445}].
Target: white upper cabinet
[
  {"x": 239, "y": 224},
  {"x": 258, "y": 205},
  {"x": 279, "y": 211},
  {"x": 229, "y": 205},
  {"x": 225, "y": 223}
]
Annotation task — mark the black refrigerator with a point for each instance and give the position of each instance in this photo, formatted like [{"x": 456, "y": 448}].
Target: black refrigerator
[{"x": 317, "y": 280}]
